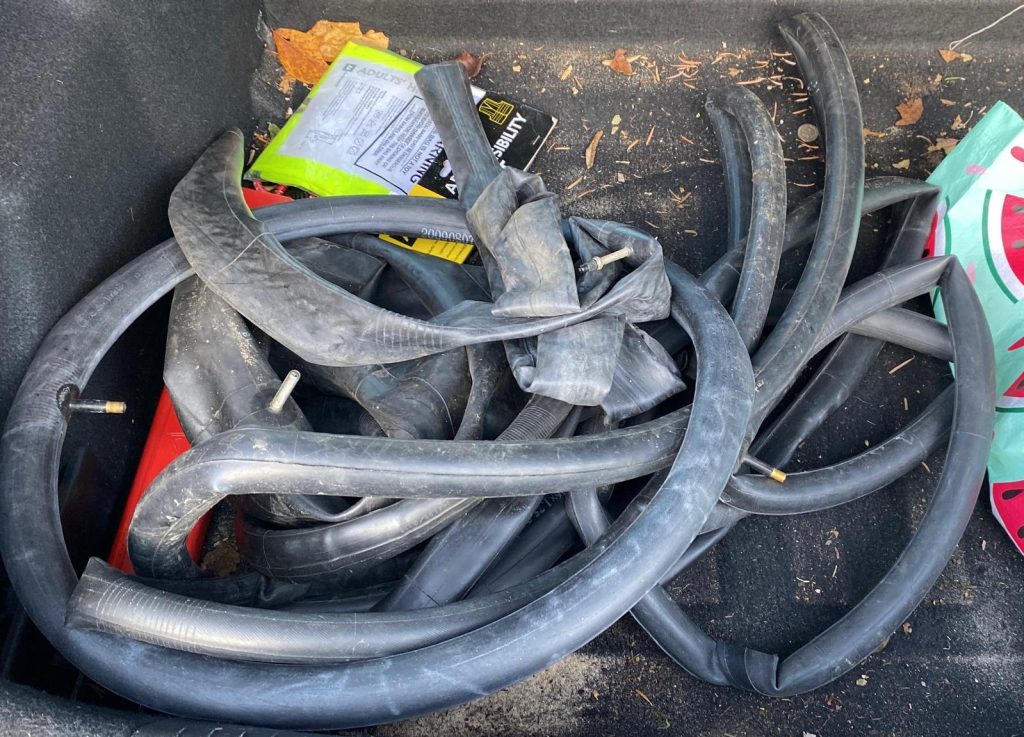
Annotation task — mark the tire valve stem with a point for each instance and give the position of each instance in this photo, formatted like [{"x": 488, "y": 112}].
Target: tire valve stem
[
  {"x": 284, "y": 391},
  {"x": 599, "y": 262},
  {"x": 775, "y": 474},
  {"x": 69, "y": 400},
  {"x": 98, "y": 407}
]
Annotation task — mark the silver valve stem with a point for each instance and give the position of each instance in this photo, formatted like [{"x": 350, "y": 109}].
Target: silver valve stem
[{"x": 284, "y": 391}]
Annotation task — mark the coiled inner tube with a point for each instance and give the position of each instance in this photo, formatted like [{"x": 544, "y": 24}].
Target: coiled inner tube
[{"x": 494, "y": 417}]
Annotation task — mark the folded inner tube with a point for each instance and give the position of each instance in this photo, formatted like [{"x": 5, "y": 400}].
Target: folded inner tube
[
  {"x": 528, "y": 467},
  {"x": 370, "y": 691},
  {"x": 266, "y": 461}
]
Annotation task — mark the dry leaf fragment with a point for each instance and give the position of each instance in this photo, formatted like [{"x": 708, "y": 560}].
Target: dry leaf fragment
[
  {"x": 619, "y": 63},
  {"x": 332, "y": 37},
  {"x": 591, "y": 153},
  {"x": 905, "y": 164},
  {"x": 910, "y": 111},
  {"x": 299, "y": 55},
  {"x": 306, "y": 54},
  {"x": 949, "y": 55},
  {"x": 471, "y": 62},
  {"x": 943, "y": 144},
  {"x": 959, "y": 124},
  {"x": 286, "y": 83}
]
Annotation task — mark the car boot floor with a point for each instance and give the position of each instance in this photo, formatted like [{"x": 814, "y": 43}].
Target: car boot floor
[{"x": 955, "y": 665}]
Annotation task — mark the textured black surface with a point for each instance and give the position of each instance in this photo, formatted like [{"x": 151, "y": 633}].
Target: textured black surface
[
  {"x": 144, "y": 87},
  {"x": 105, "y": 106}
]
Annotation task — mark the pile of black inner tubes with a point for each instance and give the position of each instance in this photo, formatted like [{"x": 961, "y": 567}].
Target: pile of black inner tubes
[{"x": 485, "y": 466}]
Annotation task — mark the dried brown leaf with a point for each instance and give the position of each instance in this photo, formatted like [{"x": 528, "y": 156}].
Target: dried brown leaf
[
  {"x": 946, "y": 145},
  {"x": 376, "y": 39},
  {"x": 619, "y": 63},
  {"x": 331, "y": 37},
  {"x": 643, "y": 696},
  {"x": 305, "y": 55},
  {"x": 286, "y": 83},
  {"x": 910, "y": 111},
  {"x": 949, "y": 55},
  {"x": 471, "y": 62},
  {"x": 591, "y": 153},
  {"x": 299, "y": 54}
]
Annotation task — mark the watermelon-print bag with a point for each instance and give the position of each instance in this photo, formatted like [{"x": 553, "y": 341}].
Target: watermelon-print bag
[{"x": 981, "y": 221}]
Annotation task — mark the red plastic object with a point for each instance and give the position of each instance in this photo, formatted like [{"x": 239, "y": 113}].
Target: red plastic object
[
  {"x": 166, "y": 442},
  {"x": 256, "y": 198}
]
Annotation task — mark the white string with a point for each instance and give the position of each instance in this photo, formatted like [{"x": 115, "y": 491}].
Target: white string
[{"x": 952, "y": 46}]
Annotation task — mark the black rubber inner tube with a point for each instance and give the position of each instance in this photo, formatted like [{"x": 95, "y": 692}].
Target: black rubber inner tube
[
  {"x": 764, "y": 236},
  {"x": 312, "y": 654},
  {"x": 164, "y": 679},
  {"x": 870, "y": 622}
]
